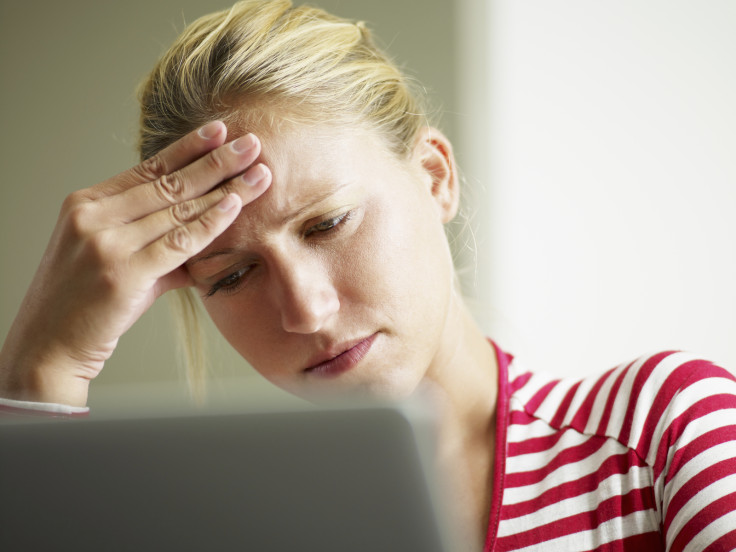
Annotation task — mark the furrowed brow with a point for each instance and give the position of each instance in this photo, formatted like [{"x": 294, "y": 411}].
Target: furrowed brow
[
  {"x": 210, "y": 255},
  {"x": 300, "y": 212}
]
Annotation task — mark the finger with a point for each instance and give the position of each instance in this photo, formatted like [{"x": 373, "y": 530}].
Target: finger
[
  {"x": 174, "y": 248},
  {"x": 186, "y": 183},
  {"x": 143, "y": 232},
  {"x": 175, "y": 156}
]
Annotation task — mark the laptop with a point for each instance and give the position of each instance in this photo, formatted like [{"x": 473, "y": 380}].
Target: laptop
[{"x": 337, "y": 479}]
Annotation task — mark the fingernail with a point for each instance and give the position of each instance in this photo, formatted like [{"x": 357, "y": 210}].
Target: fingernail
[
  {"x": 243, "y": 144},
  {"x": 210, "y": 130},
  {"x": 255, "y": 175},
  {"x": 230, "y": 202}
]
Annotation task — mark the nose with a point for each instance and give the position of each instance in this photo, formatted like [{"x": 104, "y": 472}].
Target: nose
[{"x": 306, "y": 295}]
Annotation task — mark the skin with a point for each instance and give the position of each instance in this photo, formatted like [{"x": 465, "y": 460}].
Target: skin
[{"x": 309, "y": 240}]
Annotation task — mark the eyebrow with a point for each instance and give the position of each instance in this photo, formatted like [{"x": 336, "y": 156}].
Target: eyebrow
[
  {"x": 211, "y": 254},
  {"x": 299, "y": 212},
  {"x": 285, "y": 220}
]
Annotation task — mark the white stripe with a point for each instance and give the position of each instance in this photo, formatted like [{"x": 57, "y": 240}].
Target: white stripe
[
  {"x": 715, "y": 419},
  {"x": 535, "y": 460},
  {"x": 621, "y": 402},
  {"x": 531, "y": 387},
  {"x": 712, "y": 532},
  {"x": 615, "y": 485},
  {"x": 581, "y": 394},
  {"x": 599, "y": 405},
  {"x": 645, "y": 398},
  {"x": 551, "y": 403},
  {"x": 697, "y": 464},
  {"x": 705, "y": 496},
  {"x": 709, "y": 422},
  {"x": 563, "y": 474},
  {"x": 522, "y": 432},
  {"x": 683, "y": 401},
  {"x": 609, "y": 531}
]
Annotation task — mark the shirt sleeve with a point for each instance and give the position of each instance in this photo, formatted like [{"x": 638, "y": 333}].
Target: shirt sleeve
[
  {"x": 695, "y": 468},
  {"x": 11, "y": 407}
]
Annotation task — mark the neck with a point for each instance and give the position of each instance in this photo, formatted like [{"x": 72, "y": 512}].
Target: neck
[{"x": 463, "y": 384}]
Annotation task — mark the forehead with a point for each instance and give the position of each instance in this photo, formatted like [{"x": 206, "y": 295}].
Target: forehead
[{"x": 311, "y": 162}]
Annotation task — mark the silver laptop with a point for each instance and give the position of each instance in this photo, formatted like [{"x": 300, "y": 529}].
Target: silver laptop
[{"x": 335, "y": 479}]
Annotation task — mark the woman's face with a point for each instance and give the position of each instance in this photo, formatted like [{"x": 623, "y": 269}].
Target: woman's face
[{"x": 339, "y": 277}]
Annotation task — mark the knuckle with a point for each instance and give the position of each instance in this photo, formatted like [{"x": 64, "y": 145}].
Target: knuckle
[
  {"x": 152, "y": 168},
  {"x": 78, "y": 217},
  {"x": 228, "y": 188},
  {"x": 216, "y": 160},
  {"x": 179, "y": 239},
  {"x": 181, "y": 213},
  {"x": 170, "y": 187},
  {"x": 98, "y": 250},
  {"x": 110, "y": 278},
  {"x": 73, "y": 200},
  {"x": 209, "y": 223}
]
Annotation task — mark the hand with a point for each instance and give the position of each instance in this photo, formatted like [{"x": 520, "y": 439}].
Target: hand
[{"x": 117, "y": 246}]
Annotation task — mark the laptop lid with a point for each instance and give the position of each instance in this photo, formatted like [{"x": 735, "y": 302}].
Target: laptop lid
[{"x": 335, "y": 479}]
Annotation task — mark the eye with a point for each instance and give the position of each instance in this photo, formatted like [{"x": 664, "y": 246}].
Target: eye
[
  {"x": 329, "y": 224},
  {"x": 230, "y": 283}
]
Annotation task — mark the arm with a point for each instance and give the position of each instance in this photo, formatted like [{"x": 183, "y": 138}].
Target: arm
[
  {"x": 696, "y": 463},
  {"x": 117, "y": 246}
]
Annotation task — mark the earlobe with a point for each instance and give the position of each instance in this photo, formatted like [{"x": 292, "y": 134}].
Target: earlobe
[{"x": 433, "y": 151}]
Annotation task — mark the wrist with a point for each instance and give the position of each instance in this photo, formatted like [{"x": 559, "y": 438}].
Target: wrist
[{"x": 42, "y": 380}]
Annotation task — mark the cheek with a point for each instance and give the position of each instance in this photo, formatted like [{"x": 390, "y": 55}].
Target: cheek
[
  {"x": 401, "y": 255},
  {"x": 238, "y": 324}
]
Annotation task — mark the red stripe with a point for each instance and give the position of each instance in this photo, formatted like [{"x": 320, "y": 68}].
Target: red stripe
[
  {"x": 726, "y": 542},
  {"x": 641, "y": 377},
  {"x": 699, "y": 445},
  {"x": 520, "y": 382},
  {"x": 615, "y": 507},
  {"x": 702, "y": 518},
  {"x": 533, "y": 403},
  {"x": 559, "y": 416},
  {"x": 582, "y": 416},
  {"x": 536, "y": 444},
  {"x": 663, "y": 400},
  {"x": 519, "y": 417},
  {"x": 681, "y": 378},
  {"x": 645, "y": 541},
  {"x": 695, "y": 484},
  {"x": 674, "y": 432},
  {"x": 564, "y": 457},
  {"x": 611, "y": 399},
  {"x": 613, "y": 465}
]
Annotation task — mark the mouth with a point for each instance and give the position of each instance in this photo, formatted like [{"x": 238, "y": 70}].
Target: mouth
[{"x": 332, "y": 365}]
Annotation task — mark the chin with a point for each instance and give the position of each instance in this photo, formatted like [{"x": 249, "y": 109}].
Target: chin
[{"x": 399, "y": 386}]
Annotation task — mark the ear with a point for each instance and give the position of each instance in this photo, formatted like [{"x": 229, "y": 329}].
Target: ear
[{"x": 433, "y": 154}]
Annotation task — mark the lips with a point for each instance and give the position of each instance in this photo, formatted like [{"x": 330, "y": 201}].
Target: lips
[{"x": 330, "y": 364}]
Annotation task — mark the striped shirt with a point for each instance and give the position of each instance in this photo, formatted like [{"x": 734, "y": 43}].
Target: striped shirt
[{"x": 642, "y": 457}]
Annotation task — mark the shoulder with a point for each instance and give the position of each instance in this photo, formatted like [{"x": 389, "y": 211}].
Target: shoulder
[
  {"x": 663, "y": 426},
  {"x": 629, "y": 403}
]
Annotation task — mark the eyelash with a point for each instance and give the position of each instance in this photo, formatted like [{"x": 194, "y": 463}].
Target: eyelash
[
  {"x": 229, "y": 283},
  {"x": 330, "y": 225},
  {"x": 232, "y": 282}
]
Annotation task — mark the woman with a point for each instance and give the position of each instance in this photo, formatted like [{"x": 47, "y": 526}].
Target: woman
[{"x": 289, "y": 179}]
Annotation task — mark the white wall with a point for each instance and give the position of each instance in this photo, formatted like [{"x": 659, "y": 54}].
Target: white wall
[{"x": 608, "y": 144}]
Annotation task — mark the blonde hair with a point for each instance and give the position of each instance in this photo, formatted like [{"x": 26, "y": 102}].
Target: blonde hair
[{"x": 268, "y": 58}]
